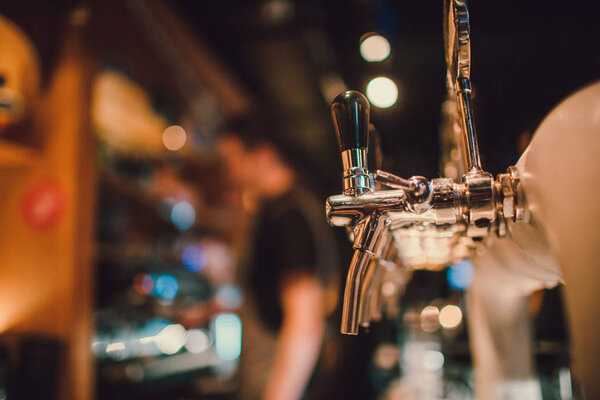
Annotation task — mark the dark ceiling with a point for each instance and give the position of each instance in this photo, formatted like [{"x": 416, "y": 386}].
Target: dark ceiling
[{"x": 526, "y": 56}]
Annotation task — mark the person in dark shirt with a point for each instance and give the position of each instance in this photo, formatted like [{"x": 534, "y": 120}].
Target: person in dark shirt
[{"x": 291, "y": 269}]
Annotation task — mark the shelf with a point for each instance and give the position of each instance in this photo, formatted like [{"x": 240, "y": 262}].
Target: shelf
[
  {"x": 131, "y": 254},
  {"x": 15, "y": 155},
  {"x": 214, "y": 220},
  {"x": 128, "y": 188}
]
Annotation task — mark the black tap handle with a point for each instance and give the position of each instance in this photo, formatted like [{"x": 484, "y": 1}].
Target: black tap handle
[{"x": 350, "y": 113}]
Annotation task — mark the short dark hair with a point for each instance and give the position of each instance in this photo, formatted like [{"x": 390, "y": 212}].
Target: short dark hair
[{"x": 257, "y": 130}]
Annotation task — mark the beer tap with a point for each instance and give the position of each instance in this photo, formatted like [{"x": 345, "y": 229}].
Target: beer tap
[
  {"x": 362, "y": 209},
  {"x": 350, "y": 112},
  {"x": 429, "y": 223}
]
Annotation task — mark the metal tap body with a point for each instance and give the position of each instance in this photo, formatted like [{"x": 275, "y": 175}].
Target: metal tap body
[
  {"x": 446, "y": 227},
  {"x": 430, "y": 224}
]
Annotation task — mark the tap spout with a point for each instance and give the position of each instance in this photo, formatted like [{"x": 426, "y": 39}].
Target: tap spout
[
  {"x": 370, "y": 297},
  {"x": 369, "y": 309},
  {"x": 355, "y": 285},
  {"x": 368, "y": 236}
]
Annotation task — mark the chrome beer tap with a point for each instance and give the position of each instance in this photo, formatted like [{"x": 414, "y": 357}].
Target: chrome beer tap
[
  {"x": 362, "y": 209},
  {"x": 428, "y": 224}
]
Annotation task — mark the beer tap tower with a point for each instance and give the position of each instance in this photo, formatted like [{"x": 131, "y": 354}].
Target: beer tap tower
[
  {"x": 517, "y": 244},
  {"x": 417, "y": 223}
]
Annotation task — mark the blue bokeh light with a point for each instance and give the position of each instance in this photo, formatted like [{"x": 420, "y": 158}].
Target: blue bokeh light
[
  {"x": 460, "y": 275},
  {"x": 166, "y": 286},
  {"x": 193, "y": 257},
  {"x": 183, "y": 215},
  {"x": 229, "y": 297},
  {"x": 228, "y": 336}
]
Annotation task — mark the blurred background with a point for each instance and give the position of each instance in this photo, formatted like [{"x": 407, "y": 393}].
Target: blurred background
[{"x": 122, "y": 240}]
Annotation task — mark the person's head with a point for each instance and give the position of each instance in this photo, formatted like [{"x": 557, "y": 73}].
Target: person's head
[{"x": 252, "y": 157}]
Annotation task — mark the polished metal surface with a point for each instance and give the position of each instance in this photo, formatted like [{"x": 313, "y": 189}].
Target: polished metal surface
[
  {"x": 418, "y": 189},
  {"x": 457, "y": 41},
  {"x": 518, "y": 201},
  {"x": 458, "y": 60},
  {"x": 391, "y": 180},
  {"x": 445, "y": 201},
  {"x": 344, "y": 210},
  {"x": 431, "y": 229},
  {"x": 369, "y": 299},
  {"x": 468, "y": 125},
  {"x": 352, "y": 293},
  {"x": 431, "y": 224},
  {"x": 384, "y": 283},
  {"x": 428, "y": 224},
  {"x": 479, "y": 198},
  {"x": 356, "y": 177},
  {"x": 368, "y": 234}
]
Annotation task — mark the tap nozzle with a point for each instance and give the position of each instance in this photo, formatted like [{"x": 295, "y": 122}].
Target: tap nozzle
[
  {"x": 367, "y": 244},
  {"x": 355, "y": 286}
]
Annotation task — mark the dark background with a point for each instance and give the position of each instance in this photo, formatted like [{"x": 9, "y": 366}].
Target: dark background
[{"x": 526, "y": 57}]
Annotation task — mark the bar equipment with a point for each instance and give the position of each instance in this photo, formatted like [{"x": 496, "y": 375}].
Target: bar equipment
[
  {"x": 520, "y": 228},
  {"x": 430, "y": 223}
]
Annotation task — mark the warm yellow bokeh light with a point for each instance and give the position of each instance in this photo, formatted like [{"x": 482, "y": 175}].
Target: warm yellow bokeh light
[
  {"x": 450, "y": 317},
  {"x": 375, "y": 48},
  {"x": 382, "y": 92},
  {"x": 429, "y": 319},
  {"x": 174, "y": 137}
]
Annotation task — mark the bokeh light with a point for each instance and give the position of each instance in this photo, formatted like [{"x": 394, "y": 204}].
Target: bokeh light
[
  {"x": 143, "y": 284},
  {"x": 183, "y": 215},
  {"x": 219, "y": 261},
  {"x": 460, "y": 275},
  {"x": 429, "y": 319},
  {"x": 166, "y": 286},
  {"x": 196, "y": 341},
  {"x": 174, "y": 137},
  {"x": 116, "y": 351},
  {"x": 388, "y": 289},
  {"x": 433, "y": 360},
  {"x": 228, "y": 336},
  {"x": 382, "y": 92},
  {"x": 171, "y": 339},
  {"x": 386, "y": 356},
  {"x": 375, "y": 48},
  {"x": 228, "y": 297},
  {"x": 193, "y": 257},
  {"x": 450, "y": 317}
]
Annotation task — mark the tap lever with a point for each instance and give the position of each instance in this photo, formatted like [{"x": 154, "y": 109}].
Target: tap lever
[
  {"x": 350, "y": 113},
  {"x": 418, "y": 189},
  {"x": 391, "y": 180},
  {"x": 457, "y": 37}
]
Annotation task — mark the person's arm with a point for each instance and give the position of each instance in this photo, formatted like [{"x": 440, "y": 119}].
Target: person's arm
[{"x": 300, "y": 338}]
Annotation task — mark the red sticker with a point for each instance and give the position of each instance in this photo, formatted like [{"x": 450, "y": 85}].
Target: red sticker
[{"x": 44, "y": 204}]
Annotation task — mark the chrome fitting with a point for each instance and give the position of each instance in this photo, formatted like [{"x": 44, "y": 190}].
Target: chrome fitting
[
  {"x": 479, "y": 199},
  {"x": 419, "y": 194},
  {"x": 356, "y": 174},
  {"x": 443, "y": 201},
  {"x": 510, "y": 196}
]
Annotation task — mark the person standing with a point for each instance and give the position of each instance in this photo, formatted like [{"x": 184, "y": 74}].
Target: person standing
[{"x": 290, "y": 277}]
